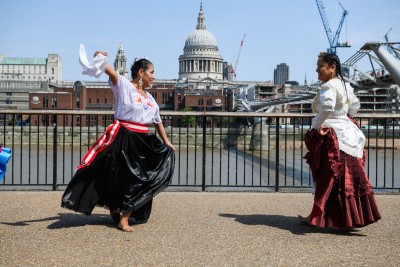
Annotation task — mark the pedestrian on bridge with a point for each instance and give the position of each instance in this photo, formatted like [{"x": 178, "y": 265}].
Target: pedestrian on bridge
[
  {"x": 343, "y": 198},
  {"x": 127, "y": 166}
]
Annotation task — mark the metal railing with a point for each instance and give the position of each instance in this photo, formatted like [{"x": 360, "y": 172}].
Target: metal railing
[{"x": 215, "y": 150}]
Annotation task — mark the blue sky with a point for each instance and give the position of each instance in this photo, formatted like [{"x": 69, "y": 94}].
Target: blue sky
[{"x": 285, "y": 31}]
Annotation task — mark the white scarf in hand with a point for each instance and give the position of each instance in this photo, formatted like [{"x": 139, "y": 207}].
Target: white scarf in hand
[{"x": 93, "y": 68}]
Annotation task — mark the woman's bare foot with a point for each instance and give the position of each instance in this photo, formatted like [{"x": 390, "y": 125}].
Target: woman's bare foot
[
  {"x": 124, "y": 223},
  {"x": 125, "y": 228}
]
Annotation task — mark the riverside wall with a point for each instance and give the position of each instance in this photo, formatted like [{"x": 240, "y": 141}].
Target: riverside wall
[{"x": 242, "y": 138}]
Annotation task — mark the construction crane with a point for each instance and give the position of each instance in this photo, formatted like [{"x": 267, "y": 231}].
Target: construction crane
[
  {"x": 386, "y": 36},
  {"x": 387, "y": 41},
  {"x": 333, "y": 39},
  {"x": 234, "y": 70}
]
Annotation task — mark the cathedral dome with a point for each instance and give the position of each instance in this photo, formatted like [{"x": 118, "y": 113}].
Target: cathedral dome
[
  {"x": 200, "y": 37},
  {"x": 200, "y": 59}
]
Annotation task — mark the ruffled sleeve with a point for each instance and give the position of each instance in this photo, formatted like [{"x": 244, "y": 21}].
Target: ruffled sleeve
[
  {"x": 327, "y": 98},
  {"x": 157, "y": 117},
  {"x": 122, "y": 84}
]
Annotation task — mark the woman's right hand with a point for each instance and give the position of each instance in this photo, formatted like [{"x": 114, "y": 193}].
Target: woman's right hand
[
  {"x": 323, "y": 130},
  {"x": 100, "y": 52}
]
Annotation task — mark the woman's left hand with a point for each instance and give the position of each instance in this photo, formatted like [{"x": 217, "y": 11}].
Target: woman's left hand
[{"x": 171, "y": 146}]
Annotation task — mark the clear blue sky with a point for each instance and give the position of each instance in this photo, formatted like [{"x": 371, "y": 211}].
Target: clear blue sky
[{"x": 289, "y": 31}]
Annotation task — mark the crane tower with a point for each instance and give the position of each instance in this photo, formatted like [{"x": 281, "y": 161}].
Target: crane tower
[
  {"x": 333, "y": 39},
  {"x": 234, "y": 70}
]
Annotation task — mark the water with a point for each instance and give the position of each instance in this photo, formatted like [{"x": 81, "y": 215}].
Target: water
[{"x": 227, "y": 167}]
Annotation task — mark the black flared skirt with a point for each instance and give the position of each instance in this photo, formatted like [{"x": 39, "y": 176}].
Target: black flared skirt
[{"x": 123, "y": 177}]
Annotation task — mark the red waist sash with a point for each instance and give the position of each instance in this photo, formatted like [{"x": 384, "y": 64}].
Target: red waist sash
[{"x": 108, "y": 137}]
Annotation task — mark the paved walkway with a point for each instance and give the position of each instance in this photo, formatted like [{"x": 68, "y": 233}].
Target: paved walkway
[{"x": 192, "y": 229}]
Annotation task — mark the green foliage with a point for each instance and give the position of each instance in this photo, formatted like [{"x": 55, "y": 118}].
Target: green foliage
[
  {"x": 188, "y": 120},
  {"x": 222, "y": 121}
]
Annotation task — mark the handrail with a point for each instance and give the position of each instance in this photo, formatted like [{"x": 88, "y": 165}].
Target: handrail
[
  {"x": 192, "y": 113},
  {"x": 257, "y": 157}
]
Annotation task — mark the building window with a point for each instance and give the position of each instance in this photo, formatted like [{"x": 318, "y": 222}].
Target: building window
[
  {"x": 209, "y": 102},
  {"x": 53, "y": 101},
  {"x": 200, "y": 101},
  {"x": 8, "y": 93},
  {"x": 45, "y": 101}
]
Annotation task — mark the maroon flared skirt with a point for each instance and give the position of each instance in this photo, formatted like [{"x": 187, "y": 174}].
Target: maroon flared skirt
[{"x": 343, "y": 194}]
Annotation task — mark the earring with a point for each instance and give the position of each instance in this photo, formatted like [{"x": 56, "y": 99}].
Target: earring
[{"x": 140, "y": 83}]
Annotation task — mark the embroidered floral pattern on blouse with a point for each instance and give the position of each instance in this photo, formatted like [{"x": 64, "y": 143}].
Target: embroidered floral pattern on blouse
[{"x": 139, "y": 100}]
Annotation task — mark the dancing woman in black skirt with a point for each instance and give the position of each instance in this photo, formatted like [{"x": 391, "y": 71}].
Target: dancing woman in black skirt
[{"x": 127, "y": 166}]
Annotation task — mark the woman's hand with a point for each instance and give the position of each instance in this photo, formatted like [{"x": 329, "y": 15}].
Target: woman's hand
[
  {"x": 171, "y": 146},
  {"x": 100, "y": 52},
  {"x": 323, "y": 130}
]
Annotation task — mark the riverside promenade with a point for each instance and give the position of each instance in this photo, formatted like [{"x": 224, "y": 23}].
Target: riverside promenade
[{"x": 192, "y": 229}]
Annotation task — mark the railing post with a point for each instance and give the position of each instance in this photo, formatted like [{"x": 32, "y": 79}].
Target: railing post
[
  {"x": 203, "y": 167},
  {"x": 277, "y": 155},
  {"x": 55, "y": 152}
]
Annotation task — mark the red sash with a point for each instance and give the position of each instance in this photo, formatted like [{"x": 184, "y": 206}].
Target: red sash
[{"x": 108, "y": 137}]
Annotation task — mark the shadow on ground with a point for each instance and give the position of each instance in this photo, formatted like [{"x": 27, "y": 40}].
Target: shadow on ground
[
  {"x": 68, "y": 220},
  {"x": 288, "y": 223}
]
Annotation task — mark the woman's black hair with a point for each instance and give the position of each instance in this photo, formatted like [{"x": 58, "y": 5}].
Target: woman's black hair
[
  {"x": 333, "y": 59},
  {"x": 142, "y": 63}
]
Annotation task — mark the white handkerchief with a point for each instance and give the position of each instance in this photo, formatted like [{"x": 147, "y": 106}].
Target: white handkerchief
[{"x": 93, "y": 68}]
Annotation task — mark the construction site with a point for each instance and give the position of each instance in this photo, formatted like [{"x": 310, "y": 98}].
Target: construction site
[{"x": 376, "y": 84}]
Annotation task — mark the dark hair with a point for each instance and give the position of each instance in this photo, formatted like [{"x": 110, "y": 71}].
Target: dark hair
[
  {"x": 142, "y": 63},
  {"x": 333, "y": 59}
]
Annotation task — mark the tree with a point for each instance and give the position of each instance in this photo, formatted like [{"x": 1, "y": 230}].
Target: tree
[{"x": 188, "y": 120}]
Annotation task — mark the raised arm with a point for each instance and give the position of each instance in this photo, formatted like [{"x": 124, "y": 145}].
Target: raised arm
[{"x": 109, "y": 70}]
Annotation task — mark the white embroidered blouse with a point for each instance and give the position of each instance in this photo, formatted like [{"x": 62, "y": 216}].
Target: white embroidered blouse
[
  {"x": 332, "y": 103},
  {"x": 132, "y": 106}
]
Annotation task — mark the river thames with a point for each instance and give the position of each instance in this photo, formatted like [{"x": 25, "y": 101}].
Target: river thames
[{"x": 224, "y": 167}]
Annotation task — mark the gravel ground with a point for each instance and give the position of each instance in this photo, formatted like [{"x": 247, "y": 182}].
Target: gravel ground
[{"x": 192, "y": 229}]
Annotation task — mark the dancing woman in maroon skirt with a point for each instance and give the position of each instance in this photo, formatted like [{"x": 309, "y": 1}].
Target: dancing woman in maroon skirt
[
  {"x": 344, "y": 198},
  {"x": 127, "y": 166}
]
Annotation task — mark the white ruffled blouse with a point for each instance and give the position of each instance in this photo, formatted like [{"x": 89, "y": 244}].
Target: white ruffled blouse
[
  {"x": 131, "y": 106},
  {"x": 332, "y": 103}
]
